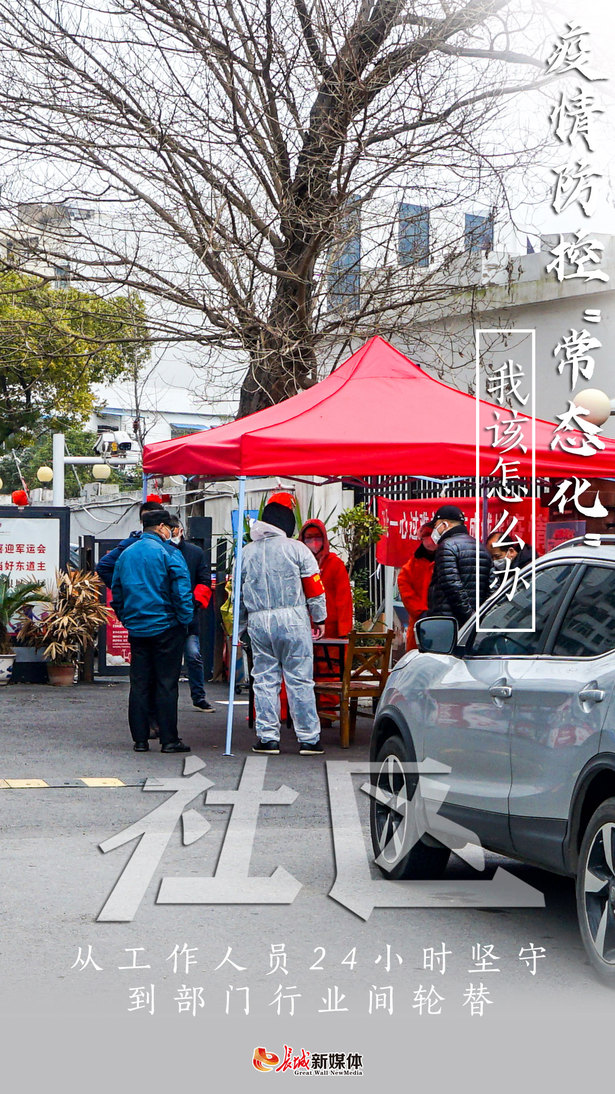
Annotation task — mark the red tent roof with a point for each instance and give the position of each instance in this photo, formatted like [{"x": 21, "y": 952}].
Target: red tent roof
[{"x": 377, "y": 414}]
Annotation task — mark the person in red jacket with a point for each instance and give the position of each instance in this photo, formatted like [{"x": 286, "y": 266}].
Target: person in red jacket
[
  {"x": 338, "y": 594},
  {"x": 335, "y": 579},
  {"x": 414, "y": 579}
]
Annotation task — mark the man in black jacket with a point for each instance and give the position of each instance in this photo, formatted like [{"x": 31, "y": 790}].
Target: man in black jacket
[
  {"x": 453, "y": 584},
  {"x": 510, "y": 555},
  {"x": 199, "y": 579}
]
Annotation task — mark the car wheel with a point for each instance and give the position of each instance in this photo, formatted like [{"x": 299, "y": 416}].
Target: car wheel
[
  {"x": 398, "y": 854},
  {"x": 595, "y": 887}
]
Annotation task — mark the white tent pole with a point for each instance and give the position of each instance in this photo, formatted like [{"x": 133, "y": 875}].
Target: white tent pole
[
  {"x": 389, "y": 595},
  {"x": 236, "y": 599}
]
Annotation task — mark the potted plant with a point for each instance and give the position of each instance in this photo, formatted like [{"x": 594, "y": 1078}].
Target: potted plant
[
  {"x": 14, "y": 600},
  {"x": 70, "y": 626},
  {"x": 358, "y": 529}
]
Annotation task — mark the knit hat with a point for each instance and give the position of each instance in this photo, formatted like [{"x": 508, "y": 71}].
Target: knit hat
[
  {"x": 155, "y": 517},
  {"x": 283, "y": 498},
  {"x": 280, "y": 516}
]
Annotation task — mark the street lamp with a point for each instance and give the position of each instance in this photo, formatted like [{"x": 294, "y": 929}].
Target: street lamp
[
  {"x": 596, "y": 403},
  {"x": 44, "y": 474},
  {"x": 101, "y": 471}
]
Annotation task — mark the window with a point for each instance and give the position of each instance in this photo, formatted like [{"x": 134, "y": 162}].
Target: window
[
  {"x": 61, "y": 275},
  {"x": 345, "y": 268},
  {"x": 512, "y": 615},
  {"x": 588, "y": 627},
  {"x": 478, "y": 233},
  {"x": 413, "y": 243}
]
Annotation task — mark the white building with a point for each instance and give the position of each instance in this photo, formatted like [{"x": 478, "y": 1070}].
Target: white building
[{"x": 517, "y": 293}]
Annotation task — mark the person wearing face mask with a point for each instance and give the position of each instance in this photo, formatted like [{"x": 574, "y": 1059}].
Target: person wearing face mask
[
  {"x": 199, "y": 578},
  {"x": 338, "y": 595},
  {"x": 338, "y": 590},
  {"x": 152, "y": 597},
  {"x": 452, "y": 590},
  {"x": 106, "y": 565},
  {"x": 282, "y": 608},
  {"x": 513, "y": 557},
  {"x": 414, "y": 579}
]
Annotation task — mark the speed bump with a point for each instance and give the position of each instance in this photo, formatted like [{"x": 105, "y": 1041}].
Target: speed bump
[
  {"x": 24, "y": 784},
  {"x": 101, "y": 782}
]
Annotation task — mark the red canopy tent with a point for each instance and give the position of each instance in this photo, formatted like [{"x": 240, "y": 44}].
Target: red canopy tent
[{"x": 377, "y": 414}]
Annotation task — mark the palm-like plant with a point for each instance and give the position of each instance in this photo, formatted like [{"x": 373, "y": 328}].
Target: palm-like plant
[
  {"x": 14, "y": 599},
  {"x": 73, "y": 620}
]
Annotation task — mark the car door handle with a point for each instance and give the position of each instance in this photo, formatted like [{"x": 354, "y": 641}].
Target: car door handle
[
  {"x": 500, "y": 691},
  {"x": 592, "y": 695}
]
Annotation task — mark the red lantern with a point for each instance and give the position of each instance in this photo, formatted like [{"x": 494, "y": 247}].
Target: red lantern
[
  {"x": 154, "y": 497},
  {"x": 19, "y": 497}
]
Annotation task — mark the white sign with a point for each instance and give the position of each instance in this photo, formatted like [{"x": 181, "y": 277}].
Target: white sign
[{"x": 29, "y": 549}]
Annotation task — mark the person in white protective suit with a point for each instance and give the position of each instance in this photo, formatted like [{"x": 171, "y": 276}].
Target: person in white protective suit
[{"x": 281, "y": 588}]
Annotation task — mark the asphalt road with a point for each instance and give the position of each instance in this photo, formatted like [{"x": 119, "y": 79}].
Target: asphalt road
[{"x": 312, "y": 973}]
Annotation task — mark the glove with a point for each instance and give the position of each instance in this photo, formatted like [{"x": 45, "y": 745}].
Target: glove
[{"x": 202, "y": 594}]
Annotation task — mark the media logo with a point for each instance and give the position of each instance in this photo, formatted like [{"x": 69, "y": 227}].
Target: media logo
[
  {"x": 263, "y": 1060},
  {"x": 308, "y": 1063}
]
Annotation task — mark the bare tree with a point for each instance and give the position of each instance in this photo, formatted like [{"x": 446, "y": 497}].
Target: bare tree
[{"x": 234, "y": 145}]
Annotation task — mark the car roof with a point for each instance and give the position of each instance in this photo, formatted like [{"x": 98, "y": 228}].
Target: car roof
[{"x": 592, "y": 547}]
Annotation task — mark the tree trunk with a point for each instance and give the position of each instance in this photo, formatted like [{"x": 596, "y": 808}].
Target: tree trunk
[
  {"x": 282, "y": 357},
  {"x": 275, "y": 375}
]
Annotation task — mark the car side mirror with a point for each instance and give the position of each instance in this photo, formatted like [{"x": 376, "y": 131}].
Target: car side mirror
[{"x": 437, "y": 634}]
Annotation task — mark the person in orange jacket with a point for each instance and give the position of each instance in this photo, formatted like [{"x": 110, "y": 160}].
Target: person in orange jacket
[
  {"x": 335, "y": 579},
  {"x": 414, "y": 579},
  {"x": 338, "y": 594}
]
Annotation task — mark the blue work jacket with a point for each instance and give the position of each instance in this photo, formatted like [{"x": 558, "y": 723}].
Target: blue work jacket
[{"x": 151, "y": 587}]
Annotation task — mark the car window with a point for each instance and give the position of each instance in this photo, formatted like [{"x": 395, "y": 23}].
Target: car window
[
  {"x": 507, "y": 615},
  {"x": 588, "y": 627}
]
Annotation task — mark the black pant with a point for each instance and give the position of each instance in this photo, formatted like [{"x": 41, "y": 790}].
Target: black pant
[{"x": 155, "y": 664}]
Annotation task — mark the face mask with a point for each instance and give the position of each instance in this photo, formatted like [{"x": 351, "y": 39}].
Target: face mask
[
  {"x": 499, "y": 563},
  {"x": 175, "y": 539},
  {"x": 436, "y": 536},
  {"x": 315, "y": 545},
  {"x": 428, "y": 543}
]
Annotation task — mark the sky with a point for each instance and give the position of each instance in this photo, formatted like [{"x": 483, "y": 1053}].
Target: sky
[{"x": 598, "y": 18}]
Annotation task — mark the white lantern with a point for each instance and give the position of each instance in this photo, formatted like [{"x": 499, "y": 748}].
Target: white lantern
[
  {"x": 101, "y": 471},
  {"x": 596, "y": 402},
  {"x": 44, "y": 474}
]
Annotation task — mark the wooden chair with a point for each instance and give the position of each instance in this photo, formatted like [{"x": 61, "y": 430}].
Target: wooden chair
[{"x": 365, "y": 673}]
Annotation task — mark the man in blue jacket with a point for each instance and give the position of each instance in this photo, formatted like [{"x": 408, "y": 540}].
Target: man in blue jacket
[
  {"x": 152, "y": 597},
  {"x": 106, "y": 564}
]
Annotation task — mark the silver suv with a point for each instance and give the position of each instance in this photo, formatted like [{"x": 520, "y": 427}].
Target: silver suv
[{"x": 525, "y": 721}]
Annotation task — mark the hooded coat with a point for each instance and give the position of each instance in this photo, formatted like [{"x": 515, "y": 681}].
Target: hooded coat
[{"x": 338, "y": 591}]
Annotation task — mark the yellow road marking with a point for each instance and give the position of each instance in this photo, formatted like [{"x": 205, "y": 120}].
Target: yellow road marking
[
  {"x": 101, "y": 782},
  {"x": 23, "y": 784}
]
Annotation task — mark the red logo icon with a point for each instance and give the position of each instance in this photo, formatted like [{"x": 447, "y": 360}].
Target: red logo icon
[{"x": 263, "y": 1060}]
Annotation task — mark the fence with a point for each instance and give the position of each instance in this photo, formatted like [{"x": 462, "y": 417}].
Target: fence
[{"x": 402, "y": 488}]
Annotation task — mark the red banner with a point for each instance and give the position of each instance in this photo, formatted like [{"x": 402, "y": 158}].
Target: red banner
[
  {"x": 118, "y": 645},
  {"x": 404, "y": 519}
]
